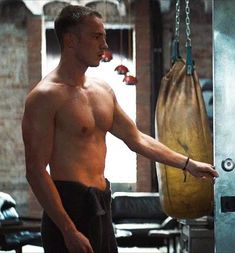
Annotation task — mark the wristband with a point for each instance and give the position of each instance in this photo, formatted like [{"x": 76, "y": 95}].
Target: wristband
[
  {"x": 186, "y": 163},
  {"x": 184, "y": 169}
]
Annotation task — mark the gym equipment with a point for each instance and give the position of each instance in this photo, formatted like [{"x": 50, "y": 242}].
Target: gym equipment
[{"x": 182, "y": 125}]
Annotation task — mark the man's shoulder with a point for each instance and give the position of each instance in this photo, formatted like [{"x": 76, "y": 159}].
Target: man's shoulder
[
  {"x": 95, "y": 81},
  {"x": 46, "y": 88},
  {"x": 100, "y": 84},
  {"x": 45, "y": 94}
]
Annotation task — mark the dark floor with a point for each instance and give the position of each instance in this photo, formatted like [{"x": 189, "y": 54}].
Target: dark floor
[{"x": 33, "y": 249}]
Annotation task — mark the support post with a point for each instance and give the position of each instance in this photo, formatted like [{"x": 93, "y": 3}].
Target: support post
[{"x": 224, "y": 123}]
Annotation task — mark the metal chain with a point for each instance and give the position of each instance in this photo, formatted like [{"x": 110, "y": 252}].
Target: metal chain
[
  {"x": 177, "y": 20},
  {"x": 187, "y": 22}
]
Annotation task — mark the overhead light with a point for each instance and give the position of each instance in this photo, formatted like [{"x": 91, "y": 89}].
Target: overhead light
[
  {"x": 107, "y": 56},
  {"x": 130, "y": 80},
  {"x": 121, "y": 69}
]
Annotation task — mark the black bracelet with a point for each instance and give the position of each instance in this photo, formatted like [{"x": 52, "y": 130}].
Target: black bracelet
[{"x": 186, "y": 163}]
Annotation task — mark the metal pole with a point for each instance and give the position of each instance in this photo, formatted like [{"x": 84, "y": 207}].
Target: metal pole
[{"x": 224, "y": 123}]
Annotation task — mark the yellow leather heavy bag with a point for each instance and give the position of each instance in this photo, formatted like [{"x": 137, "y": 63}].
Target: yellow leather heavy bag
[{"x": 182, "y": 125}]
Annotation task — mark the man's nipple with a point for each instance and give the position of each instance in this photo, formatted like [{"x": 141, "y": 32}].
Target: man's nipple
[{"x": 84, "y": 130}]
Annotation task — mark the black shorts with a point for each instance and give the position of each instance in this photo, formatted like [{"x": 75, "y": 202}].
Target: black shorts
[{"x": 90, "y": 210}]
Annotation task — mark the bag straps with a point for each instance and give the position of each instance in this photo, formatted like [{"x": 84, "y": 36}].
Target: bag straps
[
  {"x": 188, "y": 45},
  {"x": 175, "y": 47},
  {"x": 189, "y": 58}
]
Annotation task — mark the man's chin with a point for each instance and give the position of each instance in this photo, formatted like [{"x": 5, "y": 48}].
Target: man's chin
[{"x": 95, "y": 65}]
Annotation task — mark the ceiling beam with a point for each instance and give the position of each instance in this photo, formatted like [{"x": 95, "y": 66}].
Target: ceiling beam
[{"x": 36, "y": 7}]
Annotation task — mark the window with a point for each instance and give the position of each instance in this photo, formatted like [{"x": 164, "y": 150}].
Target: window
[{"x": 120, "y": 161}]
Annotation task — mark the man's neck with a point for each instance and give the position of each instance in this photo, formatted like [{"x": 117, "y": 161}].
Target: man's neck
[{"x": 72, "y": 72}]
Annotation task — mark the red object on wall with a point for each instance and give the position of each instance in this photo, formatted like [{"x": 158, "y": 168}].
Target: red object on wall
[
  {"x": 130, "y": 80},
  {"x": 107, "y": 56},
  {"x": 121, "y": 69}
]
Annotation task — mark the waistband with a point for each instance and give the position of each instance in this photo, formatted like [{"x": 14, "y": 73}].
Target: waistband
[
  {"x": 95, "y": 197},
  {"x": 80, "y": 186}
]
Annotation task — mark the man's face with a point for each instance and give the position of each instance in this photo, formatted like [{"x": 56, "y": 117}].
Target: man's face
[{"x": 90, "y": 41}]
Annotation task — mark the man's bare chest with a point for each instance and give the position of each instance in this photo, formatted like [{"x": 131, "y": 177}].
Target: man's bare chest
[{"x": 83, "y": 114}]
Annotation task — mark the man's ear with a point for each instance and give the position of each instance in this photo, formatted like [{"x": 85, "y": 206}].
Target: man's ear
[{"x": 69, "y": 40}]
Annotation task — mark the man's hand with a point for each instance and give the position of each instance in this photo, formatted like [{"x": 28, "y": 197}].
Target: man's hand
[
  {"x": 202, "y": 170},
  {"x": 76, "y": 242}
]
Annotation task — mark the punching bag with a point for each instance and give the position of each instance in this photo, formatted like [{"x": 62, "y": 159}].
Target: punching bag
[{"x": 182, "y": 125}]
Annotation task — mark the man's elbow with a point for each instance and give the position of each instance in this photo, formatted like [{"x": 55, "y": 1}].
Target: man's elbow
[
  {"x": 33, "y": 174},
  {"x": 29, "y": 174},
  {"x": 133, "y": 144}
]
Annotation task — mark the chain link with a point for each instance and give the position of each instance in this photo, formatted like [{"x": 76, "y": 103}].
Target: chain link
[
  {"x": 177, "y": 20},
  {"x": 187, "y": 22}
]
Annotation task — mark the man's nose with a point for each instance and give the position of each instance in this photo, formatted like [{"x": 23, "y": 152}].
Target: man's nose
[{"x": 104, "y": 44}]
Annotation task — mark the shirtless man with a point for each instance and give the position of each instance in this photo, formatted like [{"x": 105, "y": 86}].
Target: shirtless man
[{"x": 67, "y": 116}]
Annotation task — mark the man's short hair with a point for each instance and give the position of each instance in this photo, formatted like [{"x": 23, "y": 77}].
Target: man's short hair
[{"x": 69, "y": 17}]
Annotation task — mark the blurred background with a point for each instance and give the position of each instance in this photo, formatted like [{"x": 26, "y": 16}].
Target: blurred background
[{"x": 139, "y": 35}]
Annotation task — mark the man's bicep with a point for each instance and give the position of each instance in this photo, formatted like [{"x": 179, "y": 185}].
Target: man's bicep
[
  {"x": 38, "y": 130},
  {"x": 123, "y": 126}
]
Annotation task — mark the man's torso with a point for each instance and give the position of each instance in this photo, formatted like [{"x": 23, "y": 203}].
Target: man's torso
[{"x": 81, "y": 120}]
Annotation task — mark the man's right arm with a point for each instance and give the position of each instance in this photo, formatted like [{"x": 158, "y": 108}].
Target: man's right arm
[
  {"x": 125, "y": 129},
  {"x": 38, "y": 136}
]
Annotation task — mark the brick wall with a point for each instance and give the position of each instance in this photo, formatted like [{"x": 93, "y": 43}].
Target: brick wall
[
  {"x": 13, "y": 90},
  {"x": 20, "y": 61},
  {"x": 201, "y": 36},
  {"x": 34, "y": 43},
  {"x": 34, "y": 57},
  {"x": 143, "y": 91}
]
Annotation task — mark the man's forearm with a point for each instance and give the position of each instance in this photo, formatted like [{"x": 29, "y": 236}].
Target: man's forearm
[{"x": 156, "y": 151}]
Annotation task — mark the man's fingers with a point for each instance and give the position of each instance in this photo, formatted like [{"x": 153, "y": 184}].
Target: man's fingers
[
  {"x": 211, "y": 174},
  {"x": 214, "y": 172}
]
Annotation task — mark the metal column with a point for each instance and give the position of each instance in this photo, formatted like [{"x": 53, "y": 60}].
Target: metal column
[{"x": 224, "y": 123}]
